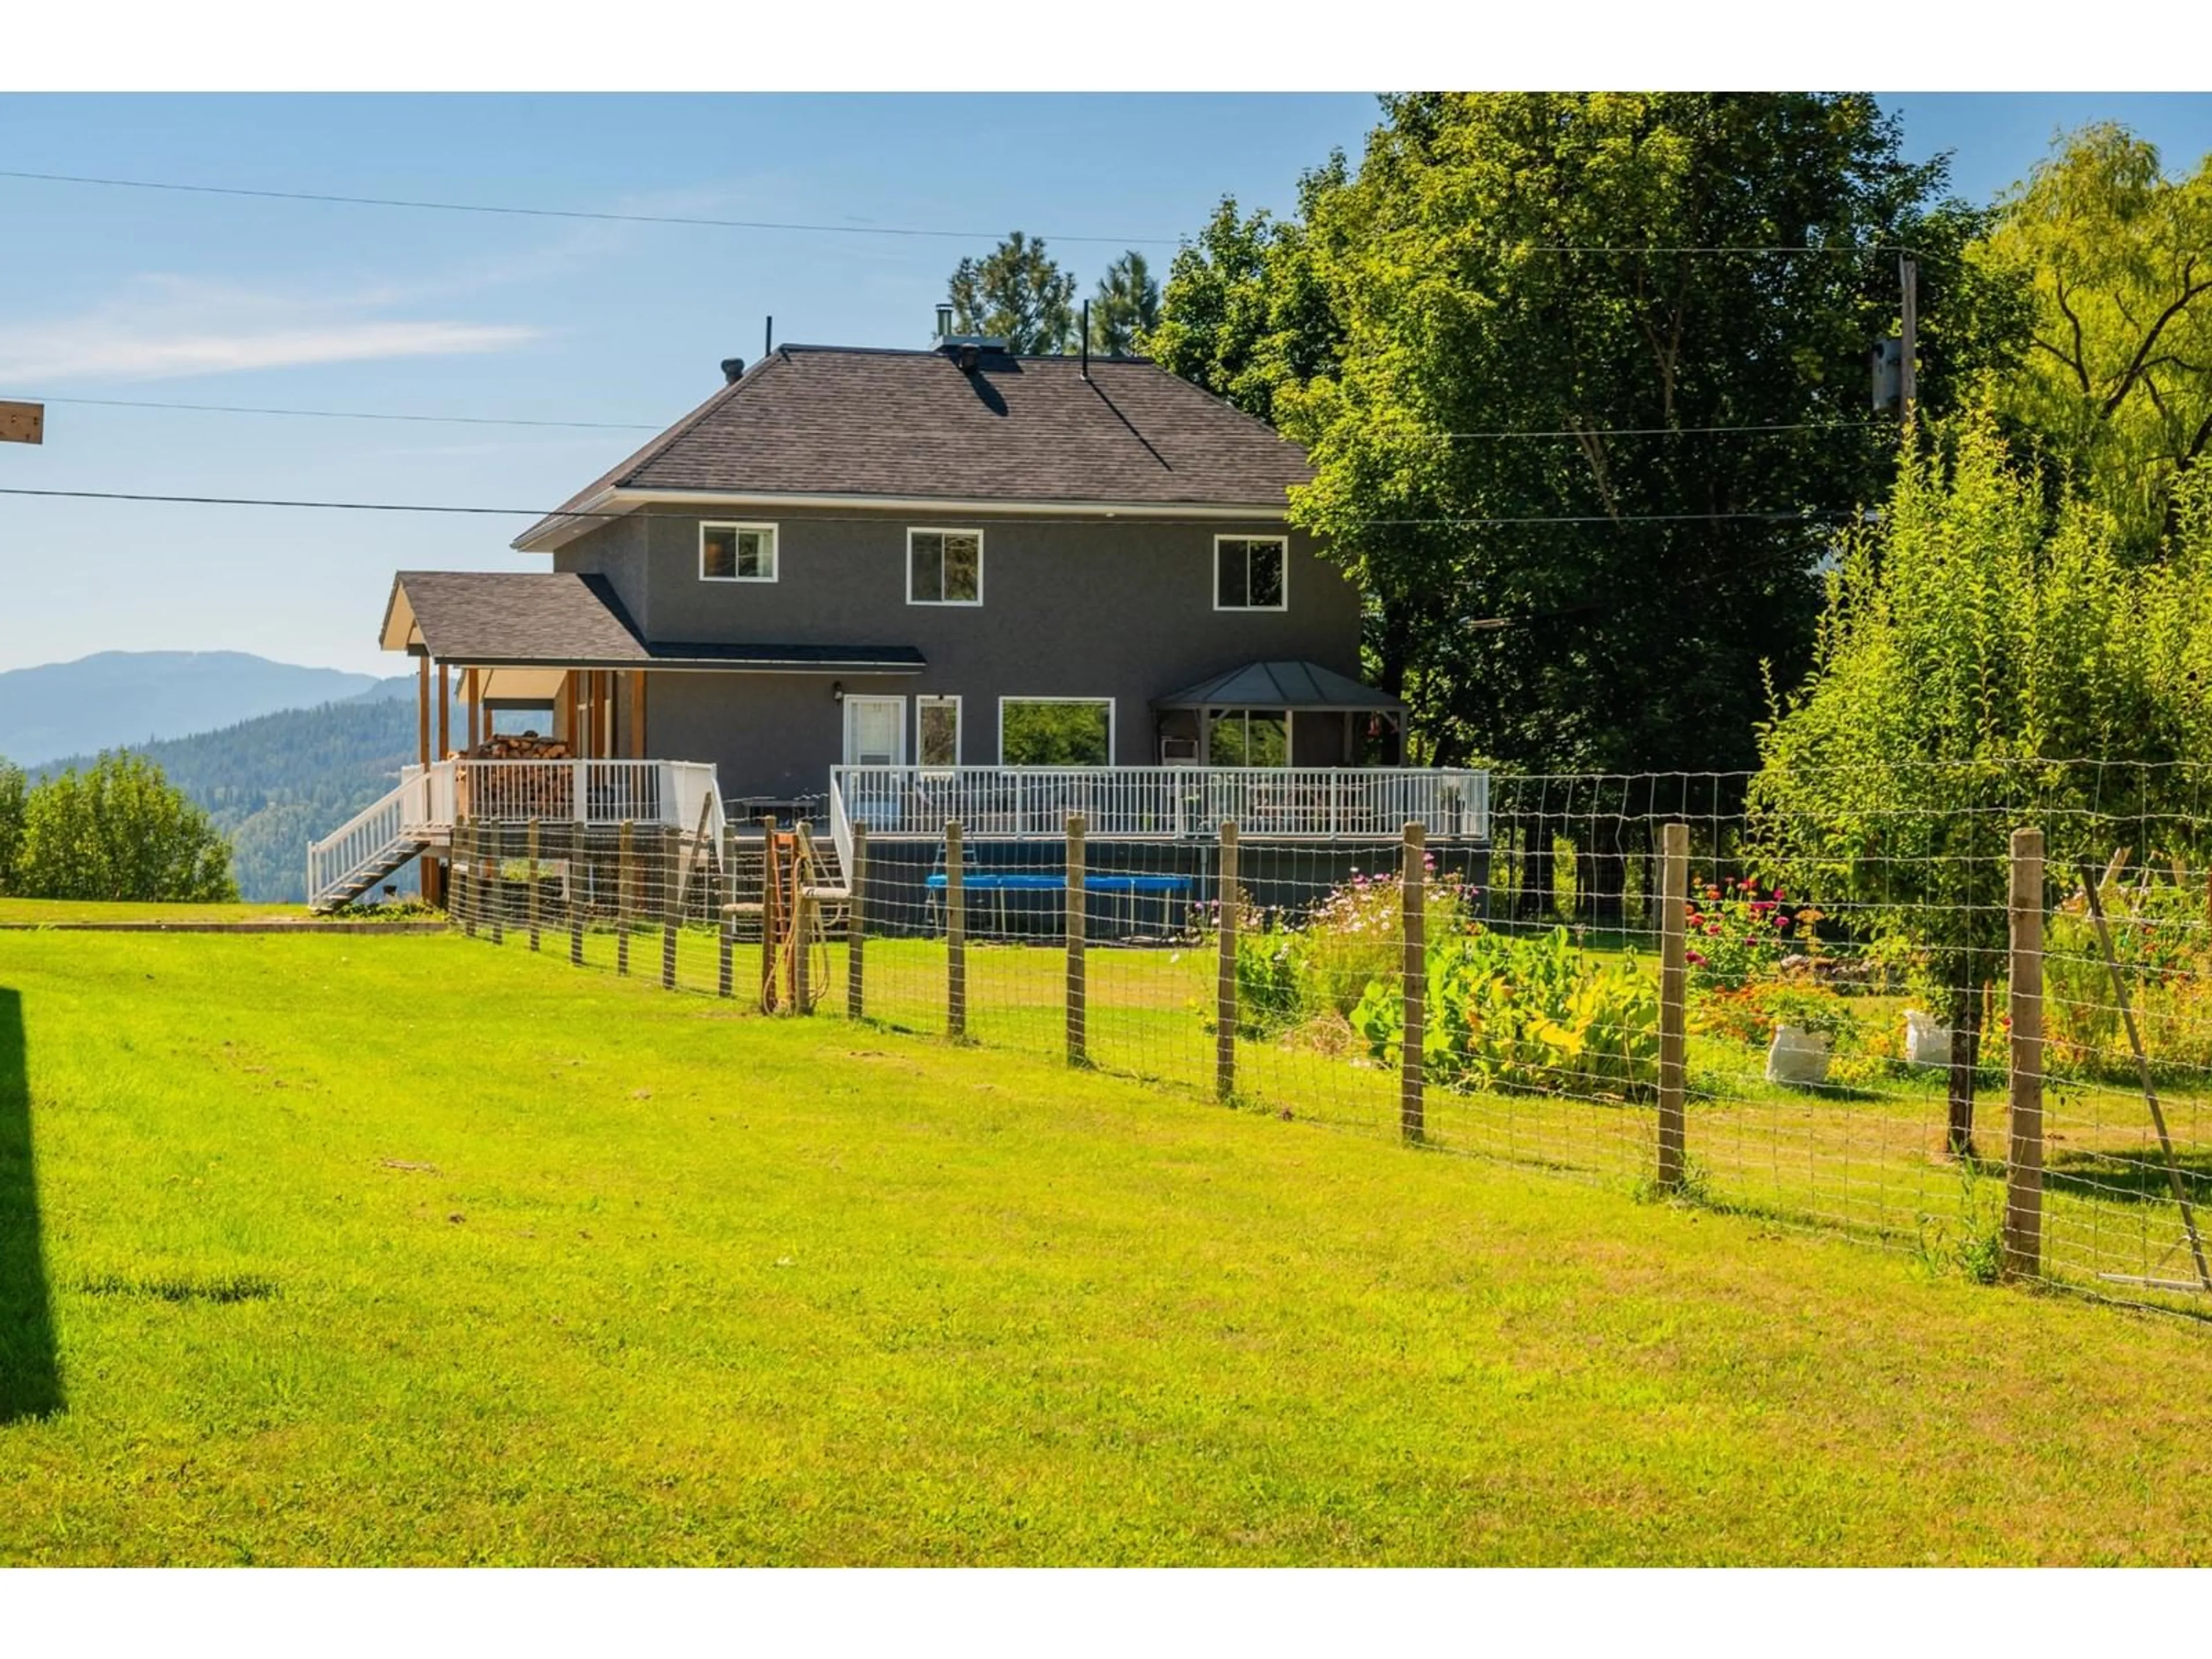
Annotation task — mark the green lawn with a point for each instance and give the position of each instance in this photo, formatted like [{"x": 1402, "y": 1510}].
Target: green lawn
[
  {"x": 46, "y": 912},
  {"x": 365, "y": 1250}
]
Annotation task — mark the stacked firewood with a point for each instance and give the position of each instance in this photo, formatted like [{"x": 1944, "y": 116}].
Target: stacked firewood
[
  {"x": 526, "y": 745},
  {"x": 519, "y": 792}
]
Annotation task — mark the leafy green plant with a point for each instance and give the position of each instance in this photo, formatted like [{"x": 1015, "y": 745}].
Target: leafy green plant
[
  {"x": 1525, "y": 1014},
  {"x": 2159, "y": 940},
  {"x": 1356, "y": 934},
  {"x": 1272, "y": 986},
  {"x": 1971, "y": 1242}
]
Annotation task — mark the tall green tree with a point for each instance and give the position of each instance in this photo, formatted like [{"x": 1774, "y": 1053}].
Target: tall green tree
[
  {"x": 2118, "y": 382},
  {"x": 13, "y": 788},
  {"x": 1554, "y": 318},
  {"x": 1017, "y": 293},
  {"x": 1126, "y": 308},
  {"x": 1982, "y": 663},
  {"x": 1245, "y": 311},
  {"x": 119, "y": 831}
]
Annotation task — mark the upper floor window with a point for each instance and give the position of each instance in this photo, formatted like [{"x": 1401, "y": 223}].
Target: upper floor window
[
  {"x": 944, "y": 567},
  {"x": 736, "y": 552},
  {"x": 1249, "y": 572}
]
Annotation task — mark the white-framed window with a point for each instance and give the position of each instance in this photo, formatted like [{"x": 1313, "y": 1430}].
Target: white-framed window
[
  {"x": 1251, "y": 573},
  {"x": 1056, "y": 731},
  {"x": 937, "y": 730},
  {"x": 1248, "y": 737},
  {"x": 944, "y": 567},
  {"x": 736, "y": 552}
]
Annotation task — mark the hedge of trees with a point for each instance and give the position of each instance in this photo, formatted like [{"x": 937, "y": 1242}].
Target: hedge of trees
[{"x": 115, "y": 830}]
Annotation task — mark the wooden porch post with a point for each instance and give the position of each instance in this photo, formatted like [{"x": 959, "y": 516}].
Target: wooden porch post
[
  {"x": 475, "y": 696},
  {"x": 637, "y": 738},
  {"x": 445, "y": 695},
  {"x": 423, "y": 705}
]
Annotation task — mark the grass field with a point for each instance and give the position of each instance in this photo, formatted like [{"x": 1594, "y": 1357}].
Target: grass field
[
  {"x": 1868, "y": 1160},
  {"x": 358, "y": 1249},
  {"x": 42, "y": 913}
]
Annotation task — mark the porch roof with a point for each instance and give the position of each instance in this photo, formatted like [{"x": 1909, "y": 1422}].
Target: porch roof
[
  {"x": 1293, "y": 685},
  {"x": 500, "y": 619}
]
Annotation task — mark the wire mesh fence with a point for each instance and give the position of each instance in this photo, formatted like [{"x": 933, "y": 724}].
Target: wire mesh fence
[{"x": 1961, "y": 1013}]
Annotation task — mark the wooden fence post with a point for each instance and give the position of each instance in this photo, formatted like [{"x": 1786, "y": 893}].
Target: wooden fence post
[
  {"x": 625, "y": 892},
  {"x": 530, "y": 903},
  {"x": 1224, "y": 989},
  {"x": 1413, "y": 978},
  {"x": 956, "y": 935},
  {"x": 803, "y": 909},
  {"x": 671, "y": 899},
  {"x": 770, "y": 913},
  {"x": 2021, "y": 1256},
  {"x": 572, "y": 894},
  {"x": 1674, "y": 1003},
  {"x": 856, "y": 932},
  {"x": 1077, "y": 907},
  {"x": 496, "y": 888},
  {"x": 725, "y": 932},
  {"x": 465, "y": 873}
]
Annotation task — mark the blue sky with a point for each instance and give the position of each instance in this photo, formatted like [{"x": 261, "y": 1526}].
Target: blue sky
[{"x": 193, "y": 298}]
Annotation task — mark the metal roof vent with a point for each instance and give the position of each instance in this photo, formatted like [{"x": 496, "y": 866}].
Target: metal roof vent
[
  {"x": 945, "y": 322},
  {"x": 733, "y": 369}
]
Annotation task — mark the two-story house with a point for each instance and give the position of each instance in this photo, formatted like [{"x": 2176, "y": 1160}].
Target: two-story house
[{"x": 908, "y": 561}]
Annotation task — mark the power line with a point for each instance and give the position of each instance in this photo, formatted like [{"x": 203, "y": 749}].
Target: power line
[
  {"x": 566, "y": 512},
  {"x": 553, "y": 213},
  {"x": 352, "y": 414},
  {"x": 1672, "y": 431},
  {"x": 1500, "y": 432},
  {"x": 1840, "y": 250}
]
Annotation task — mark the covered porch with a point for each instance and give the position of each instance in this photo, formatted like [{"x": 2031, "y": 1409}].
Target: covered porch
[{"x": 1281, "y": 715}]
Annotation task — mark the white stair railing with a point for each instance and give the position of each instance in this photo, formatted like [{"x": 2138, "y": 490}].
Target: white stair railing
[{"x": 358, "y": 846}]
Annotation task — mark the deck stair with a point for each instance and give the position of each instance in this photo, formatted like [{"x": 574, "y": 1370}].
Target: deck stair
[{"x": 377, "y": 842}]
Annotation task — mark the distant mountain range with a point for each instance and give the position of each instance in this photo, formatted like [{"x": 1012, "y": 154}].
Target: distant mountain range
[
  {"x": 274, "y": 783},
  {"x": 128, "y": 699}
]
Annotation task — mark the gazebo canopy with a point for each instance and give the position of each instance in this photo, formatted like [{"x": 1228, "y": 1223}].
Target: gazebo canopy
[{"x": 1299, "y": 686}]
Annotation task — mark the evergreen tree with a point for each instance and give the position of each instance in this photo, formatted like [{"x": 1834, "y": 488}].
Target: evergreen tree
[
  {"x": 1126, "y": 309},
  {"x": 1017, "y": 293}
]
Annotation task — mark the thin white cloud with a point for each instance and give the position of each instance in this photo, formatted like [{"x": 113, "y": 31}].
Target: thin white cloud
[{"x": 162, "y": 328}]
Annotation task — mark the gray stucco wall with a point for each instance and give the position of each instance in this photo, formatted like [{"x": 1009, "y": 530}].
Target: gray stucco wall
[{"x": 1122, "y": 611}]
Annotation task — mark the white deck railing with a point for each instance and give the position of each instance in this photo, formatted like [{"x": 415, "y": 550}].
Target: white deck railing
[
  {"x": 423, "y": 809},
  {"x": 1164, "y": 803},
  {"x": 577, "y": 790}
]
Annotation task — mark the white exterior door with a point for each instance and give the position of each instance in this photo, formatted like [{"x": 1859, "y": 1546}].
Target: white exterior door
[{"x": 875, "y": 731}]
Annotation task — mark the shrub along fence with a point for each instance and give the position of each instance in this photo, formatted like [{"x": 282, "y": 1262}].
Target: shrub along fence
[{"x": 1968, "y": 1017}]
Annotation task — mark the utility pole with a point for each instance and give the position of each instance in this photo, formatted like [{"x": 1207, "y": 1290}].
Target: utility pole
[
  {"x": 1896, "y": 360},
  {"x": 1908, "y": 277}
]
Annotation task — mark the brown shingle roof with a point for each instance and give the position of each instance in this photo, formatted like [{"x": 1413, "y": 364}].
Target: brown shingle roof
[
  {"x": 823, "y": 420},
  {"x": 488, "y": 619}
]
